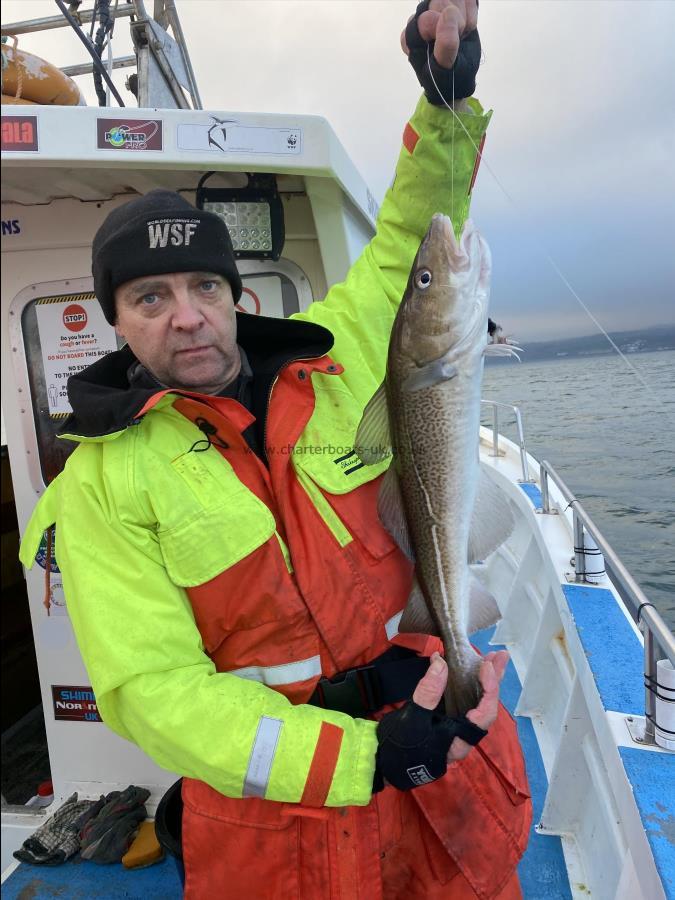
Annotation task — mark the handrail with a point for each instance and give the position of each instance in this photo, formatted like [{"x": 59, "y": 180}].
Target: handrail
[
  {"x": 521, "y": 435},
  {"x": 654, "y": 628}
]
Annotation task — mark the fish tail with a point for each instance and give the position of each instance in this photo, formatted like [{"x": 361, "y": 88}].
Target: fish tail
[{"x": 464, "y": 688}]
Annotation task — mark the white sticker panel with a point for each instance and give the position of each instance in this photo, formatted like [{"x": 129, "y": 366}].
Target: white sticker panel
[
  {"x": 261, "y": 296},
  {"x": 73, "y": 334},
  {"x": 227, "y": 136}
]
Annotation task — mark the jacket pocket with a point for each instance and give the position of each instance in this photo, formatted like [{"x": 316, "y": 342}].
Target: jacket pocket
[
  {"x": 500, "y": 751},
  {"x": 480, "y": 810},
  {"x": 213, "y": 522},
  {"x": 238, "y": 848},
  {"x": 351, "y": 512}
]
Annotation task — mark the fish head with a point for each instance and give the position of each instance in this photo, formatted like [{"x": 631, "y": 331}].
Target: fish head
[{"x": 444, "y": 308}]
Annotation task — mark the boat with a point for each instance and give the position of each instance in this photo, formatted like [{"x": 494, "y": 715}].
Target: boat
[{"x": 590, "y": 656}]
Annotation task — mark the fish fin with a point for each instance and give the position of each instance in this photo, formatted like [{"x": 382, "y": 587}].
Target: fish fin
[
  {"x": 483, "y": 609},
  {"x": 427, "y": 376},
  {"x": 492, "y": 520},
  {"x": 373, "y": 440},
  {"x": 416, "y": 618},
  {"x": 392, "y": 514}
]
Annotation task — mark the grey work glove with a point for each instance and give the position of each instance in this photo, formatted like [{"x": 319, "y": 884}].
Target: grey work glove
[{"x": 58, "y": 839}]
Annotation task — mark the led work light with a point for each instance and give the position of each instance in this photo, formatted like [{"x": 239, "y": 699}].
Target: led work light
[{"x": 254, "y": 215}]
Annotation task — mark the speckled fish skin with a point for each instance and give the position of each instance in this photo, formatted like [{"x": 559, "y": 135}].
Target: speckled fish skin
[{"x": 435, "y": 430}]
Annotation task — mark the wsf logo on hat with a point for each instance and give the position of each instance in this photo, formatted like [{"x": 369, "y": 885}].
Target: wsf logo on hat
[{"x": 178, "y": 231}]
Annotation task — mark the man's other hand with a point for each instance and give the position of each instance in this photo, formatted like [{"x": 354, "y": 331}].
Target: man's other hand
[
  {"x": 430, "y": 689},
  {"x": 445, "y": 23}
]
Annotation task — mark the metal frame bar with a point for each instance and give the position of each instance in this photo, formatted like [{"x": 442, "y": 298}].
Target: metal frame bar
[
  {"x": 171, "y": 14},
  {"x": 122, "y": 62},
  {"x": 655, "y": 631},
  {"x": 28, "y": 26}
]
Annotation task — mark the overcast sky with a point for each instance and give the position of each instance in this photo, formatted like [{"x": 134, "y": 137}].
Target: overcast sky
[{"x": 582, "y": 138}]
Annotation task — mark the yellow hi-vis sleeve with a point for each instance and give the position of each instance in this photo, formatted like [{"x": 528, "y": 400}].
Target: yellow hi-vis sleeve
[{"x": 436, "y": 169}]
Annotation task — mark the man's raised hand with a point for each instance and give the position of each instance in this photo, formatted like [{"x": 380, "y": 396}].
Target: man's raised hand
[{"x": 442, "y": 44}]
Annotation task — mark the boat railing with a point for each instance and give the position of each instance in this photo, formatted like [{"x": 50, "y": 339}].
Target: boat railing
[
  {"x": 655, "y": 631},
  {"x": 495, "y": 405}
]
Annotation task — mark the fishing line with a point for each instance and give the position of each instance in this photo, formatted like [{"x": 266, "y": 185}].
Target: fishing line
[
  {"x": 452, "y": 149},
  {"x": 517, "y": 208}
]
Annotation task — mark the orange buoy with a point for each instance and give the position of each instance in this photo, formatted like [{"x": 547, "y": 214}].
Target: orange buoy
[{"x": 27, "y": 78}]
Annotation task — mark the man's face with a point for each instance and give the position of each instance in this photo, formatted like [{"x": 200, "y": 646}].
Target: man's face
[{"x": 182, "y": 327}]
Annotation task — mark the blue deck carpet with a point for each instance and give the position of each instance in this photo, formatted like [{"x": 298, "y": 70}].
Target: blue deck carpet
[
  {"x": 652, "y": 777},
  {"x": 82, "y": 880},
  {"x": 616, "y": 664}
]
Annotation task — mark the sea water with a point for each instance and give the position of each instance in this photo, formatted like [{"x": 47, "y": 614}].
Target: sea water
[{"x": 610, "y": 434}]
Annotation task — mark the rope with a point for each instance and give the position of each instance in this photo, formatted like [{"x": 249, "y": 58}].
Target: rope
[
  {"x": 48, "y": 568},
  {"x": 5, "y": 64}
]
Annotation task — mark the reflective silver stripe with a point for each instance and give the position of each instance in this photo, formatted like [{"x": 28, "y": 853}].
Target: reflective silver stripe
[
  {"x": 392, "y": 625},
  {"x": 286, "y": 673},
  {"x": 262, "y": 756}
]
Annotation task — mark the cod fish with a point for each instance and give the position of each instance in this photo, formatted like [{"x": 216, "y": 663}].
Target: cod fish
[{"x": 433, "y": 500}]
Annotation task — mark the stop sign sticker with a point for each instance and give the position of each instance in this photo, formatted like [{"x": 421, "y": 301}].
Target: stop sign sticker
[{"x": 75, "y": 317}]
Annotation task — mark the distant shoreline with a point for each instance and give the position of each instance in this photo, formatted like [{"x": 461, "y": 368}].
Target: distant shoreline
[{"x": 650, "y": 340}]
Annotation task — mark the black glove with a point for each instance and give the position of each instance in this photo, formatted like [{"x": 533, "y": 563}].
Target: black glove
[
  {"x": 414, "y": 743},
  {"x": 106, "y": 836},
  {"x": 455, "y": 83}
]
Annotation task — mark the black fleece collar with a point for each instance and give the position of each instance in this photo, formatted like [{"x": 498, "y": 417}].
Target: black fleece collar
[{"x": 104, "y": 402}]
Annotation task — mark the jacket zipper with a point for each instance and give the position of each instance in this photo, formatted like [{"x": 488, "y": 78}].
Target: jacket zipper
[{"x": 269, "y": 395}]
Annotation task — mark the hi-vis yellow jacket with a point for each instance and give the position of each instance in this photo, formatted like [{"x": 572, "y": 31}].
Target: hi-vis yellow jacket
[{"x": 208, "y": 594}]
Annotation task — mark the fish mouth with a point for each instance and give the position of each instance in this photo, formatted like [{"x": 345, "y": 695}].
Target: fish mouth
[
  {"x": 441, "y": 230},
  {"x": 442, "y": 233}
]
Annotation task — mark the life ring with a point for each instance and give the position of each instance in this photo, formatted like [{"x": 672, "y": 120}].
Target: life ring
[{"x": 41, "y": 82}]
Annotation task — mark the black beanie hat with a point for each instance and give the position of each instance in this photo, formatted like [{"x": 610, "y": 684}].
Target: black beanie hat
[{"x": 154, "y": 235}]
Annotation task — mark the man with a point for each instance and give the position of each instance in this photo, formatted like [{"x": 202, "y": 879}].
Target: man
[{"x": 236, "y": 605}]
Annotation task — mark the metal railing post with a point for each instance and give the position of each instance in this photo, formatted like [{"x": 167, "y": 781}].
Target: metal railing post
[
  {"x": 495, "y": 430},
  {"x": 521, "y": 436},
  {"x": 650, "y": 680},
  {"x": 579, "y": 558},
  {"x": 545, "y": 497},
  {"x": 521, "y": 444}
]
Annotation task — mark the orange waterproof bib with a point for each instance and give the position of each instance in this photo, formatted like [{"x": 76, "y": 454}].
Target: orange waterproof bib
[{"x": 337, "y": 605}]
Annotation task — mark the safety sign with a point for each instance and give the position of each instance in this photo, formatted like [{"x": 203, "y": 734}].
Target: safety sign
[
  {"x": 73, "y": 335},
  {"x": 261, "y": 296}
]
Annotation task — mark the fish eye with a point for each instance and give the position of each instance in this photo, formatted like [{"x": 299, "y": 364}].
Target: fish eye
[{"x": 422, "y": 279}]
